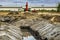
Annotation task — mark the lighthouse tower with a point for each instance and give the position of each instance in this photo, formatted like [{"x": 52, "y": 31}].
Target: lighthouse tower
[{"x": 26, "y": 6}]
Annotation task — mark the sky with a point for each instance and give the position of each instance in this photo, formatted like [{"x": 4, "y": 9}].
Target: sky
[{"x": 31, "y": 2}]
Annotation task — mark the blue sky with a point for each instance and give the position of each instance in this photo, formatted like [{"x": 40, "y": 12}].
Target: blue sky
[{"x": 31, "y": 2}]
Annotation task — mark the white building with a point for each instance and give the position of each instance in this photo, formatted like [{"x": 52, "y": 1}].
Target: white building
[
  {"x": 10, "y": 8},
  {"x": 32, "y": 8},
  {"x": 45, "y": 8}
]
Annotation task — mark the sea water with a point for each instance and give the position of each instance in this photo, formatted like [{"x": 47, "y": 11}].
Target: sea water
[{"x": 29, "y": 38}]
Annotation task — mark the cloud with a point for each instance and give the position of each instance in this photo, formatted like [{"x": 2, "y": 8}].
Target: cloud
[
  {"x": 44, "y": 1},
  {"x": 31, "y": 2}
]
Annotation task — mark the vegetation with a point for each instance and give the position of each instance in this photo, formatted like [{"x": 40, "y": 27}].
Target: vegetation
[
  {"x": 58, "y": 8},
  {"x": 46, "y": 10},
  {"x": 4, "y": 10}
]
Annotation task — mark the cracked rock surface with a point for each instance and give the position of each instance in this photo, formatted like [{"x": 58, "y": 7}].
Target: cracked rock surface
[{"x": 10, "y": 32}]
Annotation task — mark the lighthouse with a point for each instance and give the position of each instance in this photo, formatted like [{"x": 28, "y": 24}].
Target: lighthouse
[{"x": 26, "y": 6}]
